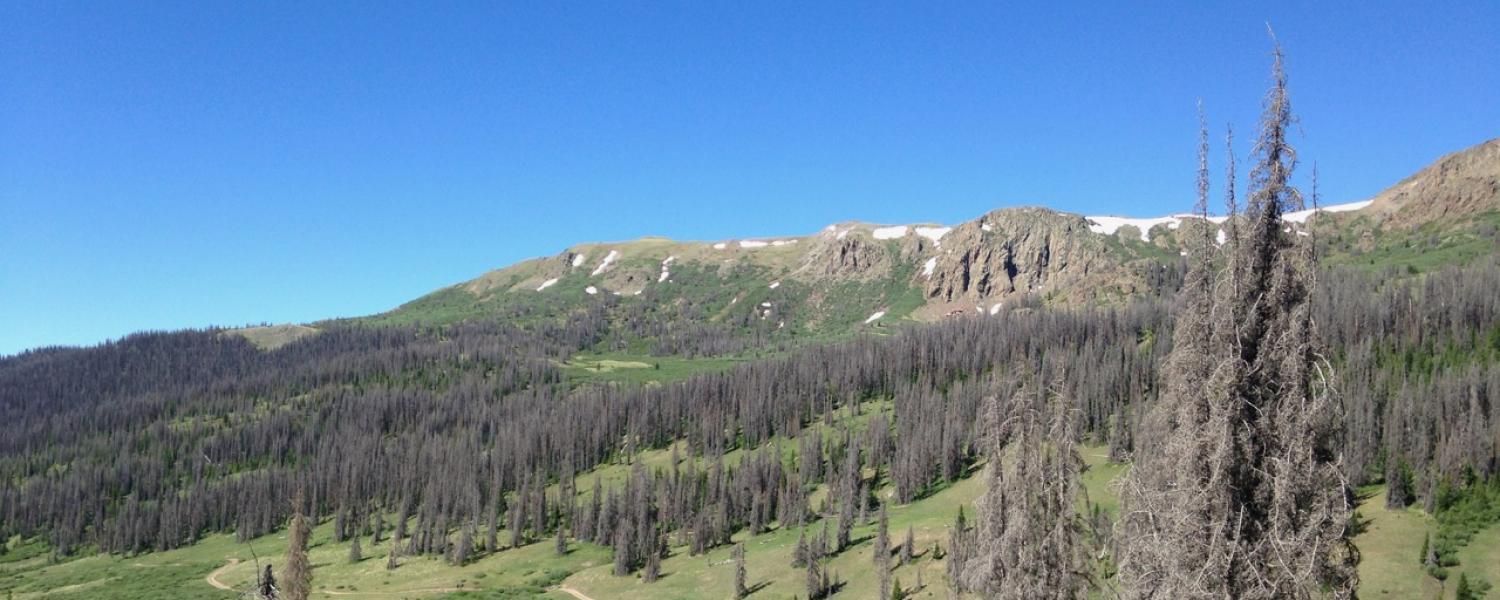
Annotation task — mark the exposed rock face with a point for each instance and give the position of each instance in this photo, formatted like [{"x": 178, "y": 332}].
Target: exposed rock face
[
  {"x": 1460, "y": 184},
  {"x": 847, "y": 253},
  {"x": 1013, "y": 251}
]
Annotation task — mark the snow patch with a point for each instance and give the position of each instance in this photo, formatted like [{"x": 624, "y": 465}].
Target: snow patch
[
  {"x": 591, "y": 290},
  {"x": 875, "y": 316},
  {"x": 890, "y": 233},
  {"x": 783, "y": 242},
  {"x": 665, "y": 265},
  {"x": 546, "y": 284},
  {"x": 928, "y": 266},
  {"x": 841, "y": 234},
  {"x": 765, "y": 305},
  {"x": 753, "y": 244},
  {"x": 775, "y": 284},
  {"x": 1109, "y": 225},
  {"x": 934, "y": 233},
  {"x": 1302, "y": 215},
  {"x": 995, "y": 309},
  {"x": 1221, "y": 237},
  {"x": 720, "y": 246},
  {"x": 985, "y": 226},
  {"x": 578, "y": 260},
  {"x": 608, "y": 259}
]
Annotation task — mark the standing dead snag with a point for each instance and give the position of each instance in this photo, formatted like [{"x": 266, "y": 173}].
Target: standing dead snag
[
  {"x": 296, "y": 576},
  {"x": 1237, "y": 491},
  {"x": 1028, "y": 539}
]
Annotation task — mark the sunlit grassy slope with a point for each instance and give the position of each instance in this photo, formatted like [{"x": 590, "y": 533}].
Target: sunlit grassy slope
[{"x": 1389, "y": 546}]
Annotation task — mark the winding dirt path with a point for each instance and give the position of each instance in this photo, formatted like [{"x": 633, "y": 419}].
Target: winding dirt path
[
  {"x": 446, "y": 590},
  {"x": 213, "y": 578},
  {"x": 574, "y": 593}
]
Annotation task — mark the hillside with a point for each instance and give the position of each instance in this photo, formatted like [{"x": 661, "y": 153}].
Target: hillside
[
  {"x": 852, "y": 276},
  {"x": 648, "y": 405}
]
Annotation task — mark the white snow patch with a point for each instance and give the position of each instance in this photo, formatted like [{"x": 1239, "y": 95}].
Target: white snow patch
[
  {"x": 985, "y": 225},
  {"x": 842, "y": 234},
  {"x": 720, "y": 246},
  {"x": 830, "y": 228},
  {"x": 733, "y": 300},
  {"x": 666, "y": 264},
  {"x": 890, "y": 233},
  {"x": 934, "y": 233},
  {"x": 591, "y": 290},
  {"x": 1221, "y": 237},
  {"x": 1302, "y": 215},
  {"x": 996, "y": 308},
  {"x": 578, "y": 260},
  {"x": 753, "y": 244},
  {"x": 1108, "y": 225},
  {"x": 775, "y": 284},
  {"x": 783, "y": 242},
  {"x": 765, "y": 305},
  {"x": 546, "y": 284},
  {"x": 928, "y": 266},
  {"x": 877, "y": 315},
  {"x": 608, "y": 258}
]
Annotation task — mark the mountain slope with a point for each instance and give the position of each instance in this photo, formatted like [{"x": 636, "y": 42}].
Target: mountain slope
[{"x": 853, "y": 275}]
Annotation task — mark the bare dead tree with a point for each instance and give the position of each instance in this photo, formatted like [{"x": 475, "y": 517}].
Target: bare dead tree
[
  {"x": 1241, "y": 493},
  {"x": 1029, "y": 536}
]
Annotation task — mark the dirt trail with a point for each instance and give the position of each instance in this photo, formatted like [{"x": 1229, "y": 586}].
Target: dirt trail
[
  {"x": 213, "y": 578},
  {"x": 574, "y": 593},
  {"x": 446, "y": 590}
]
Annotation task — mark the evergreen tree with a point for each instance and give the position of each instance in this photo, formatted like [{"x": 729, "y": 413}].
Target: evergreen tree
[
  {"x": 740, "y": 590},
  {"x": 1029, "y": 531},
  {"x": 1238, "y": 489},
  {"x": 296, "y": 574},
  {"x": 354, "y": 552}
]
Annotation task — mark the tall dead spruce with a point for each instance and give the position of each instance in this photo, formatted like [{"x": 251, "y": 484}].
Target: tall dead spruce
[
  {"x": 1028, "y": 543},
  {"x": 1237, "y": 490}
]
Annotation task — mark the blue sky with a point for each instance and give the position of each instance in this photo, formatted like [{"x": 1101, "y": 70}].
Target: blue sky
[{"x": 167, "y": 165}]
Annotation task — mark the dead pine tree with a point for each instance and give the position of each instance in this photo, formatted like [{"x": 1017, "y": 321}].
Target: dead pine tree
[
  {"x": 740, "y": 590},
  {"x": 1237, "y": 491},
  {"x": 882, "y": 553},
  {"x": 266, "y": 589},
  {"x": 1029, "y": 535},
  {"x": 296, "y": 574}
]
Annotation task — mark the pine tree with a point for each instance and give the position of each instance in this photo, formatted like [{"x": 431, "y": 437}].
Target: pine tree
[
  {"x": 740, "y": 591},
  {"x": 1237, "y": 489},
  {"x": 1029, "y": 532},
  {"x": 265, "y": 589},
  {"x": 296, "y": 574},
  {"x": 1464, "y": 591},
  {"x": 908, "y": 547},
  {"x": 799, "y": 553},
  {"x": 354, "y": 552},
  {"x": 882, "y": 550}
]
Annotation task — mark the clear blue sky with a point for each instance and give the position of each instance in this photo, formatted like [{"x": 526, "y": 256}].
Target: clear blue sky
[{"x": 167, "y": 165}]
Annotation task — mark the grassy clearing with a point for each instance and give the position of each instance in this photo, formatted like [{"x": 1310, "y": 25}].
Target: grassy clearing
[
  {"x": 642, "y": 368},
  {"x": 525, "y": 572}
]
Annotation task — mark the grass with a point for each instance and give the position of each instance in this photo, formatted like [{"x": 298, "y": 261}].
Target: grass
[
  {"x": 525, "y": 572},
  {"x": 1390, "y": 545},
  {"x": 643, "y": 368}
]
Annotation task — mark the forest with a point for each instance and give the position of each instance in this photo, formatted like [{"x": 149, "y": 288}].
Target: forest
[{"x": 1259, "y": 389}]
